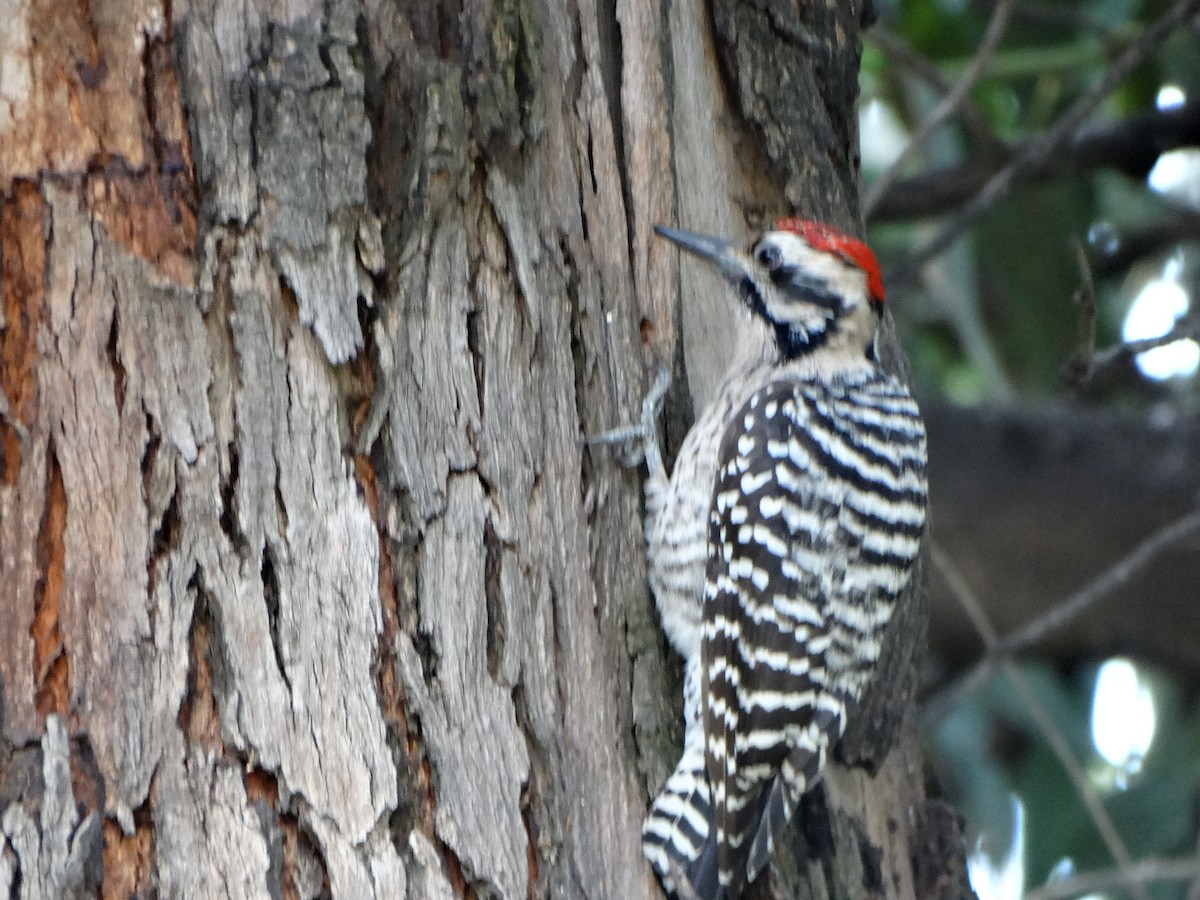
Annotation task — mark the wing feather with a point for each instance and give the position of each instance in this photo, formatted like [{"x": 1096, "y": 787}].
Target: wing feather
[{"x": 813, "y": 528}]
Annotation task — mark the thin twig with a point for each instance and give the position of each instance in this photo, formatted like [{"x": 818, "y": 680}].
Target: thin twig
[
  {"x": 1039, "y": 149},
  {"x": 1058, "y": 745},
  {"x": 1135, "y": 244},
  {"x": 1081, "y": 366},
  {"x": 965, "y": 596},
  {"x": 945, "y": 108},
  {"x": 1184, "y": 328},
  {"x": 1145, "y": 871},
  {"x": 1042, "y": 718},
  {"x": 1116, "y": 576},
  {"x": 974, "y": 121},
  {"x": 1087, "y": 361},
  {"x": 1052, "y": 14}
]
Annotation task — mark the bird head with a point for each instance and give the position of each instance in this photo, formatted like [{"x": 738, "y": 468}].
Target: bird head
[{"x": 814, "y": 286}]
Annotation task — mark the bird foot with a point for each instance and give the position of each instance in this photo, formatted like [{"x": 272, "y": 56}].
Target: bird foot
[{"x": 641, "y": 439}]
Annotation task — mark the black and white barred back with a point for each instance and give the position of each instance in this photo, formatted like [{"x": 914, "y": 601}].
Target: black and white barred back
[{"x": 815, "y": 502}]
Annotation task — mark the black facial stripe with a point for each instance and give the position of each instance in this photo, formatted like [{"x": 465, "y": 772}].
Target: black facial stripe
[
  {"x": 810, "y": 289},
  {"x": 793, "y": 341},
  {"x": 753, "y": 297},
  {"x": 781, "y": 275}
]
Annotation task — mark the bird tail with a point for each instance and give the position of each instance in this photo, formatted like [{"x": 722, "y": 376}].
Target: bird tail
[
  {"x": 679, "y": 836},
  {"x": 800, "y": 772}
]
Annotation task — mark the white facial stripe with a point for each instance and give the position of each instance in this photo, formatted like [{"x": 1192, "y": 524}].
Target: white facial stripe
[{"x": 844, "y": 279}]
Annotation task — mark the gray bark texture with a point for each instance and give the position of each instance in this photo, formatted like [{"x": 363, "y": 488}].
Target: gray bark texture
[{"x": 308, "y": 585}]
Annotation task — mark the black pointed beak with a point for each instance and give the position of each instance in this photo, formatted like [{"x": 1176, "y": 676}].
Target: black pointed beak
[{"x": 728, "y": 260}]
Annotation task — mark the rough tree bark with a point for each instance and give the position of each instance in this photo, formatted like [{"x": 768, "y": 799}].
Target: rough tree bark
[{"x": 306, "y": 583}]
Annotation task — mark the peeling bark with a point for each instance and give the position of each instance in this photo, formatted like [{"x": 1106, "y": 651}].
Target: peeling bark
[{"x": 311, "y": 588}]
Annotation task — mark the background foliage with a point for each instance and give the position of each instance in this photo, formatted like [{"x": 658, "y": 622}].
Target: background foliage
[{"x": 996, "y": 321}]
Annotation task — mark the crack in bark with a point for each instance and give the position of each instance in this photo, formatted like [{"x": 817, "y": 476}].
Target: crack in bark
[
  {"x": 478, "y": 364},
  {"x": 530, "y": 798},
  {"x": 51, "y": 670},
  {"x": 199, "y": 716},
  {"x": 165, "y": 537},
  {"x": 272, "y": 598},
  {"x": 497, "y": 618},
  {"x": 118, "y": 368},
  {"x": 129, "y": 861},
  {"x": 870, "y": 857},
  {"x": 227, "y": 516}
]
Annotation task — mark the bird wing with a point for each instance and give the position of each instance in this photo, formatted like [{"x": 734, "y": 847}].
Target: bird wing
[{"x": 792, "y": 621}]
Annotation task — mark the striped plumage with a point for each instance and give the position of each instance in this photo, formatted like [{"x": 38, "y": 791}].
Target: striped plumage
[{"x": 777, "y": 550}]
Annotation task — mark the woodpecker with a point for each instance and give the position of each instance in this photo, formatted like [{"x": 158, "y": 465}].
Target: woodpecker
[{"x": 777, "y": 548}]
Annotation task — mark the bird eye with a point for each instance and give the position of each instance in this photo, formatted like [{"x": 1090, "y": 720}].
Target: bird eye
[{"x": 768, "y": 255}]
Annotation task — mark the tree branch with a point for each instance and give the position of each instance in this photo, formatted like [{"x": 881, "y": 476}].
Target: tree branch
[
  {"x": 1119, "y": 574},
  {"x": 1035, "y": 154},
  {"x": 1131, "y": 146},
  {"x": 1047, "y": 14},
  {"x": 1146, "y": 871},
  {"x": 1062, "y": 750},
  {"x": 1045, "y": 723},
  {"x": 1080, "y": 368},
  {"x": 974, "y": 121},
  {"x": 1137, "y": 244},
  {"x": 1184, "y": 328},
  {"x": 945, "y": 108}
]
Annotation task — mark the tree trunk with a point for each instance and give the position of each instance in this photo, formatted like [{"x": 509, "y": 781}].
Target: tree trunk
[{"x": 308, "y": 585}]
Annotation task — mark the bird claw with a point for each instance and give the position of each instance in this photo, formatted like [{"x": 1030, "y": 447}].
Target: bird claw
[{"x": 642, "y": 439}]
